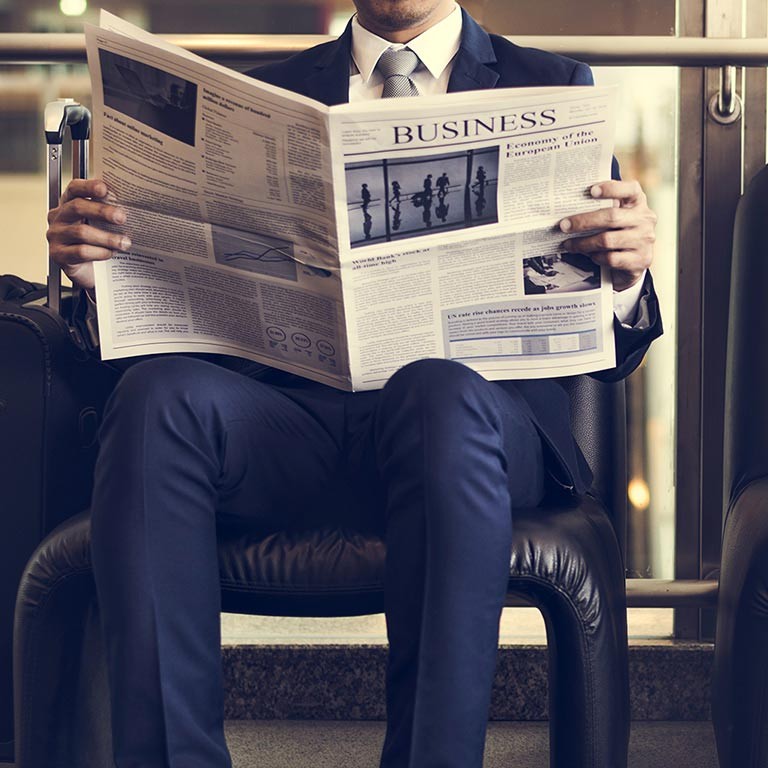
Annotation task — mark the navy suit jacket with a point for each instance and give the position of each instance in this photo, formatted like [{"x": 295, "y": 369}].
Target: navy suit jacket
[{"x": 489, "y": 61}]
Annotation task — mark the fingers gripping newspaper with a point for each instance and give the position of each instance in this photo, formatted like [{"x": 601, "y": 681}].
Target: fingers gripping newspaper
[{"x": 340, "y": 243}]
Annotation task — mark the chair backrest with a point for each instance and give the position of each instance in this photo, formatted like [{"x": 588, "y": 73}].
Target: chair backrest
[
  {"x": 746, "y": 404},
  {"x": 598, "y": 420}
]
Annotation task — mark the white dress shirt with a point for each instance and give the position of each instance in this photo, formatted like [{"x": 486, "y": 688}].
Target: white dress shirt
[{"x": 437, "y": 48}]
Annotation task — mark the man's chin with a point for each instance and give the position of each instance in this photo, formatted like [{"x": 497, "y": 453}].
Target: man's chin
[
  {"x": 399, "y": 22},
  {"x": 394, "y": 15}
]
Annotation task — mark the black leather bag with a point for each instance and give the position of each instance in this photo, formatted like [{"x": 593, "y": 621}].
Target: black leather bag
[
  {"x": 17, "y": 290},
  {"x": 51, "y": 398}
]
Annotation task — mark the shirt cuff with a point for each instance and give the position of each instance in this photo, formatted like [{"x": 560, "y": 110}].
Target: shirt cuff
[{"x": 627, "y": 302}]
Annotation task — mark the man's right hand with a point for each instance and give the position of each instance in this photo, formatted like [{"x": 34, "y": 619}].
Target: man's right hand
[{"x": 74, "y": 236}]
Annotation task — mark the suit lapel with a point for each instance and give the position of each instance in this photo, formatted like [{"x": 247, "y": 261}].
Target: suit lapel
[
  {"x": 329, "y": 82},
  {"x": 470, "y": 68}
]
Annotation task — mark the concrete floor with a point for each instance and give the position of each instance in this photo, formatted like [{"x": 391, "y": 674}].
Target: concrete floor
[{"x": 326, "y": 744}]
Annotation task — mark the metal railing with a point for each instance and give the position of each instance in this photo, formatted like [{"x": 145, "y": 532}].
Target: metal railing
[
  {"x": 660, "y": 593},
  {"x": 23, "y": 48}
]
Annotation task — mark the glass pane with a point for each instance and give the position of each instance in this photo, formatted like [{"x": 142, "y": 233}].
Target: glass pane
[{"x": 646, "y": 141}]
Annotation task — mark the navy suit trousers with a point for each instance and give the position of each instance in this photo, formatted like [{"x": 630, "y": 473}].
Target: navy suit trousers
[{"x": 437, "y": 461}]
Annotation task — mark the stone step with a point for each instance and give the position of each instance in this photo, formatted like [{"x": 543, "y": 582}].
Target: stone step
[{"x": 669, "y": 681}]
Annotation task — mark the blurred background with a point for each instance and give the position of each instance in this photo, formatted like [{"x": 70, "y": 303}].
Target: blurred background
[{"x": 646, "y": 148}]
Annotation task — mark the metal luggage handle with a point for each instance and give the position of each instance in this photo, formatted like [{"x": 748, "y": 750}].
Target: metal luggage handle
[{"x": 60, "y": 115}]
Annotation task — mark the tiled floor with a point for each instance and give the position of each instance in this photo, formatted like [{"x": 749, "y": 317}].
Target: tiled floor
[
  {"x": 302, "y": 744},
  {"x": 324, "y": 744},
  {"x": 519, "y": 626}
]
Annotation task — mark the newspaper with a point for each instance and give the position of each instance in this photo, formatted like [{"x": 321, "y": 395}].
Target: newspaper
[{"x": 340, "y": 243}]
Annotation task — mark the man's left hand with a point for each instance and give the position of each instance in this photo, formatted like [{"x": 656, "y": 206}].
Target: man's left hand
[{"x": 625, "y": 243}]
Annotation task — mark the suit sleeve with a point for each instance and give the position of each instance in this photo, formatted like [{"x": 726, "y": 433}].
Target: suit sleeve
[{"x": 632, "y": 343}]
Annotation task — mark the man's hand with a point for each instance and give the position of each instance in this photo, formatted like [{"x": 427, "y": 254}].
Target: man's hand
[
  {"x": 628, "y": 232},
  {"x": 75, "y": 240}
]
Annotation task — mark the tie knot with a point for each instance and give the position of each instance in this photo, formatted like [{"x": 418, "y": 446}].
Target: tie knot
[{"x": 398, "y": 62}]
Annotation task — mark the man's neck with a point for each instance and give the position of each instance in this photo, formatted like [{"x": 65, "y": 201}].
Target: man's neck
[{"x": 407, "y": 34}]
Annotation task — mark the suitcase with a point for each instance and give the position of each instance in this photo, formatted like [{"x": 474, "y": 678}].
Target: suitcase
[{"x": 52, "y": 394}]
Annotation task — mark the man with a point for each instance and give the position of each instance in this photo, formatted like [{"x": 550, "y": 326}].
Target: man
[
  {"x": 440, "y": 456},
  {"x": 442, "y": 185},
  {"x": 427, "y": 187}
]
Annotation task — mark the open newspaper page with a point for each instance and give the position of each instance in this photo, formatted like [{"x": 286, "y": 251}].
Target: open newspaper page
[
  {"x": 342, "y": 243},
  {"x": 448, "y": 211},
  {"x": 227, "y": 186}
]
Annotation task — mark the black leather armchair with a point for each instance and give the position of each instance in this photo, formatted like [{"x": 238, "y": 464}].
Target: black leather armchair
[
  {"x": 740, "y": 676},
  {"x": 566, "y": 560}
]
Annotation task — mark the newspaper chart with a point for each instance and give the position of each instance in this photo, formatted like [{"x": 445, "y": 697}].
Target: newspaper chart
[{"x": 340, "y": 243}]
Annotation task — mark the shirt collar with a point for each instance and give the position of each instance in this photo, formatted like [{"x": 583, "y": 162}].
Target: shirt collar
[{"x": 435, "y": 47}]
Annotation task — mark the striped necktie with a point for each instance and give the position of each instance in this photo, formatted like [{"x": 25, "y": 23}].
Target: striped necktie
[{"x": 397, "y": 66}]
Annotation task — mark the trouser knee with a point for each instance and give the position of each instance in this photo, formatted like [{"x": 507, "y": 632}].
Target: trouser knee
[{"x": 434, "y": 386}]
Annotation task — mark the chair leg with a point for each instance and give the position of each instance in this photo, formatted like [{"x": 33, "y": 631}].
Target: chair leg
[
  {"x": 740, "y": 673},
  {"x": 60, "y": 682},
  {"x": 588, "y": 688},
  {"x": 576, "y": 579}
]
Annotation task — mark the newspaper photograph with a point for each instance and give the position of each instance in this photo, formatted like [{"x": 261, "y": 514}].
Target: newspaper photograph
[{"x": 340, "y": 243}]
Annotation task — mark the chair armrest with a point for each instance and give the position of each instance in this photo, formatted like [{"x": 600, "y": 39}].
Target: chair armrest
[
  {"x": 51, "y": 398},
  {"x": 739, "y": 689},
  {"x": 746, "y": 406}
]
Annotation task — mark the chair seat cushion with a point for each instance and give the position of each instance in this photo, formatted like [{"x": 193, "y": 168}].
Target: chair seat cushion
[
  {"x": 339, "y": 572},
  {"x": 322, "y": 572}
]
